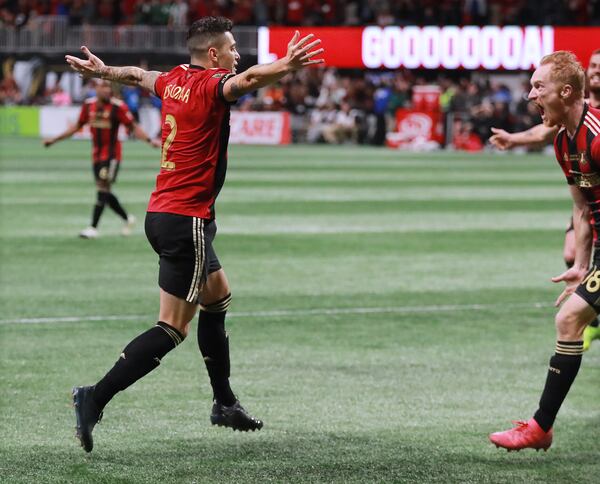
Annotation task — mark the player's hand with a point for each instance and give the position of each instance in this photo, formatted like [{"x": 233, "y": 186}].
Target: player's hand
[
  {"x": 156, "y": 142},
  {"x": 572, "y": 278},
  {"x": 90, "y": 67},
  {"x": 48, "y": 142},
  {"x": 501, "y": 139},
  {"x": 299, "y": 52}
]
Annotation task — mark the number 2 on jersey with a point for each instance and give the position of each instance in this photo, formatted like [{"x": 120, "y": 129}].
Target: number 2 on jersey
[{"x": 171, "y": 123}]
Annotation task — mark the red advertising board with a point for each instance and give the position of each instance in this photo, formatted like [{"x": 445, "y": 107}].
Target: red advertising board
[
  {"x": 450, "y": 47},
  {"x": 416, "y": 129}
]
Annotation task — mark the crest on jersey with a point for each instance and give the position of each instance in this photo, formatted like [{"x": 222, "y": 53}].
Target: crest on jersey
[{"x": 218, "y": 75}]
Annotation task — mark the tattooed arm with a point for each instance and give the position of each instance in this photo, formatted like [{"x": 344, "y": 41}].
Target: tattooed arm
[
  {"x": 94, "y": 67},
  {"x": 298, "y": 56}
]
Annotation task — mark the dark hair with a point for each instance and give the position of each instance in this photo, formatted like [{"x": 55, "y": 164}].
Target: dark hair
[{"x": 206, "y": 32}]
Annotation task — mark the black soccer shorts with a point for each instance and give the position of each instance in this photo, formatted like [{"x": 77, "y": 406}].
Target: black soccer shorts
[
  {"x": 589, "y": 289},
  {"x": 106, "y": 170},
  {"x": 185, "y": 250}
]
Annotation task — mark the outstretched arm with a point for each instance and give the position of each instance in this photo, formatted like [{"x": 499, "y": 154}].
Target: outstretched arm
[
  {"x": 140, "y": 133},
  {"x": 539, "y": 134},
  {"x": 299, "y": 55},
  {"x": 93, "y": 66},
  {"x": 66, "y": 134}
]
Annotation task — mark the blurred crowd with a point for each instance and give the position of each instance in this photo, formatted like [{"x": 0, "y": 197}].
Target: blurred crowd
[
  {"x": 360, "y": 107},
  {"x": 351, "y": 106},
  {"x": 18, "y": 13}
]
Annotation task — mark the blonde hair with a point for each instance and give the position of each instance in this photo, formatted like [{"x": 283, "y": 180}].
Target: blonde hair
[{"x": 566, "y": 69}]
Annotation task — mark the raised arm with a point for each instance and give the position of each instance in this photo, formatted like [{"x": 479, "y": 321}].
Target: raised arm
[
  {"x": 299, "y": 55},
  {"x": 93, "y": 66},
  {"x": 538, "y": 135}
]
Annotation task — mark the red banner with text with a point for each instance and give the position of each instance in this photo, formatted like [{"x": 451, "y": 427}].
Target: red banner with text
[{"x": 450, "y": 47}]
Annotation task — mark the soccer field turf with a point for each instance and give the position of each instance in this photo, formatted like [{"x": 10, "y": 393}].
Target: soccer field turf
[{"x": 389, "y": 311}]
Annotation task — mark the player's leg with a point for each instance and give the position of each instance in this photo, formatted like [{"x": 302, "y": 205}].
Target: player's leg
[
  {"x": 212, "y": 337},
  {"x": 102, "y": 189},
  {"x": 213, "y": 341},
  {"x": 114, "y": 203},
  {"x": 142, "y": 355},
  {"x": 592, "y": 331},
  {"x": 173, "y": 238},
  {"x": 571, "y": 320}
]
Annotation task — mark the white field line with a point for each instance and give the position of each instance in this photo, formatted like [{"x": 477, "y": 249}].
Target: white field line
[{"x": 297, "y": 312}]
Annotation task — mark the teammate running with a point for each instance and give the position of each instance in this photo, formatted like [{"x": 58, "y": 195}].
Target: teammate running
[
  {"x": 105, "y": 113},
  {"x": 542, "y": 135},
  {"x": 557, "y": 90}
]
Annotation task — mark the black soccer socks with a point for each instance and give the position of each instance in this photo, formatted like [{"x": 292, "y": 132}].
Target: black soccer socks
[
  {"x": 214, "y": 346},
  {"x": 101, "y": 200},
  {"x": 113, "y": 202},
  {"x": 563, "y": 369},
  {"x": 139, "y": 358}
]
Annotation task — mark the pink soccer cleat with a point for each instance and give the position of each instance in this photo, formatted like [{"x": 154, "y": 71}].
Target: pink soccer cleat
[{"x": 524, "y": 435}]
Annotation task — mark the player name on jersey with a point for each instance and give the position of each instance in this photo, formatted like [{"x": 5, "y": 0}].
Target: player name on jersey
[{"x": 177, "y": 92}]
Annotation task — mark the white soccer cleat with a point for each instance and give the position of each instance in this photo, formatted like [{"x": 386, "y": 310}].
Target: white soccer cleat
[
  {"x": 128, "y": 227},
  {"x": 89, "y": 233}
]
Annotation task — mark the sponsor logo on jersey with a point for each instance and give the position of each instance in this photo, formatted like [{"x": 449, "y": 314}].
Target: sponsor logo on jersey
[{"x": 586, "y": 180}]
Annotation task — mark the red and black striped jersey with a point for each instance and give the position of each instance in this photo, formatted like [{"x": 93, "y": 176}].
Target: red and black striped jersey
[
  {"x": 579, "y": 158},
  {"x": 104, "y": 120},
  {"x": 195, "y": 135}
]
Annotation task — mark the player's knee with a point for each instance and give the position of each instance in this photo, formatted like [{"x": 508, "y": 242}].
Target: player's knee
[
  {"x": 219, "y": 306},
  {"x": 103, "y": 186},
  {"x": 182, "y": 328},
  {"x": 101, "y": 198},
  {"x": 569, "y": 325}
]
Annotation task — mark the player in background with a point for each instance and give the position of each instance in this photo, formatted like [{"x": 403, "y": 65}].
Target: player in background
[
  {"x": 542, "y": 135},
  {"x": 558, "y": 92},
  {"x": 105, "y": 113},
  {"x": 180, "y": 223}
]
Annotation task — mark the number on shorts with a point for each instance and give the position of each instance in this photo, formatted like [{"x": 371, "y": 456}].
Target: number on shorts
[
  {"x": 592, "y": 281},
  {"x": 171, "y": 123}
]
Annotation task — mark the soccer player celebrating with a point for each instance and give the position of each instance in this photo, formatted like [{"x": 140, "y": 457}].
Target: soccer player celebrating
[
  {"x": 105, "y": 114},
  {"x": 180, "y": 223},
  {"x": 542, "y": 134},
  {"x": 557, "y": 90}
]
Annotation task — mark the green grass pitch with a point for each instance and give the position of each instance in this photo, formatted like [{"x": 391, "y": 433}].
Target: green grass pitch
[{"x": 390, "y": 310}]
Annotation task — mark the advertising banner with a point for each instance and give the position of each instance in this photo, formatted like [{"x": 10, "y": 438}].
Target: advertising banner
[
  {"x": 416, "y": 129},
  {"x": 19, "y": 121},
  {"x": 450, "y": 47},
  {"x": 270, "y": 128},
  {"x": 264, "y": 128}
]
